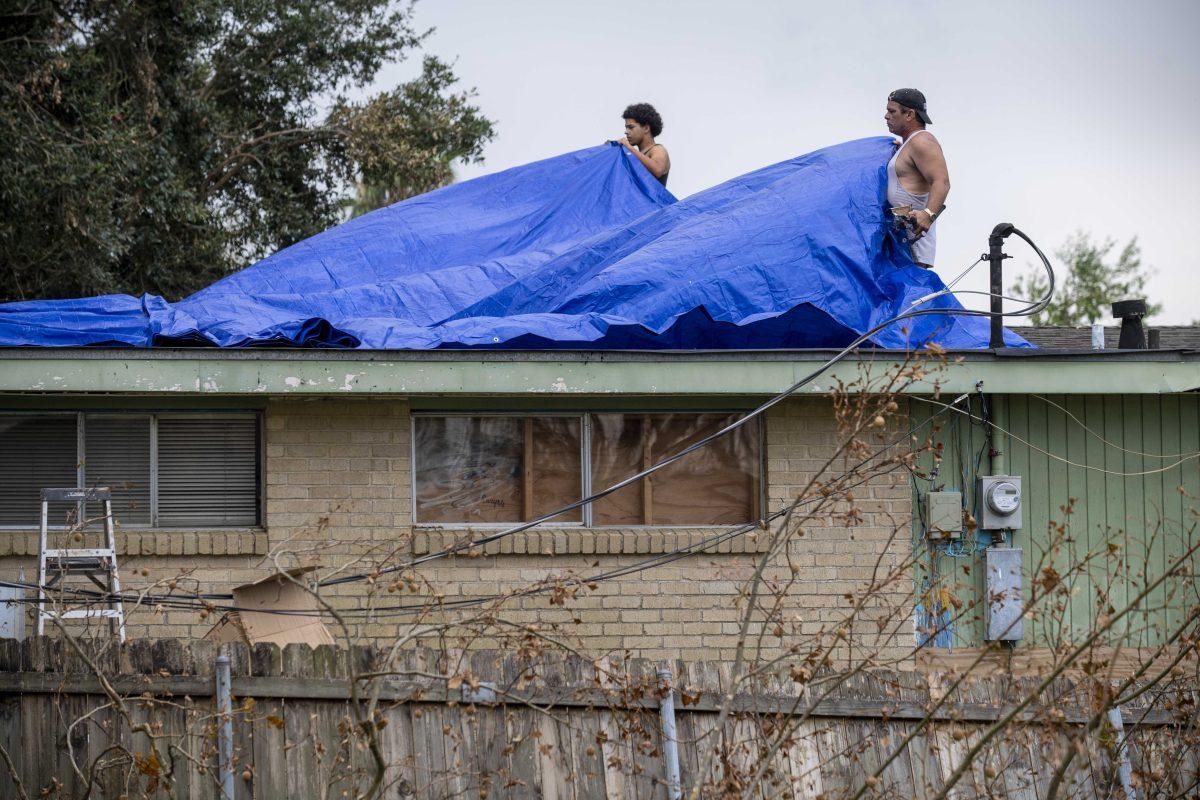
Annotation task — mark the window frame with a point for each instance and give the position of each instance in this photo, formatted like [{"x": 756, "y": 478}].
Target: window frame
[
  {"x": 584, "y": 478},
  {"x": 585, "y": 433},
  {"x": 154, "y": 414}
]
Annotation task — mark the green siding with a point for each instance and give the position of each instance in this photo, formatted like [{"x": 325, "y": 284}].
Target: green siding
[{"x": 1112, "y": 459}]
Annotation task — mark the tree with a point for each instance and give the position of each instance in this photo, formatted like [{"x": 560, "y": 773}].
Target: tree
[
  {"x": 1089, "y": 282},
  {"x": 405, "y": 142},
  {"x": 154, "y": 147}
]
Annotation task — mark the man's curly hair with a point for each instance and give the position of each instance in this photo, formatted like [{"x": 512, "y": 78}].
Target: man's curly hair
[{"x": 644, "y": 114}]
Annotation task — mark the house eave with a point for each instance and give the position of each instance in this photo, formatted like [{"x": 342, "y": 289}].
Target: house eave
[{"x": 263, "y": 372}]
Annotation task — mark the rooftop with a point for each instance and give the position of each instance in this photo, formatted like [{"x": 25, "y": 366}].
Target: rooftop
[
  {"x": 1065, "y": 365},
  {"x": 1063, "y": 337}
]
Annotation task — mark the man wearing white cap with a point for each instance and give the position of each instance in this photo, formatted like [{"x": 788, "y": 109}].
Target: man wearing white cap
[{"x": 918, "y": 180}]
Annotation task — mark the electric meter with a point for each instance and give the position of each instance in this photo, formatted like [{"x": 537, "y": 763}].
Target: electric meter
[
  {"x": 1004, "y": 497},
  {"x": 1000, "y": 508}
]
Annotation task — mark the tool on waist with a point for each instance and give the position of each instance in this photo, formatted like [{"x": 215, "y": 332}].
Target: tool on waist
[{"x": 902, "y": 220}]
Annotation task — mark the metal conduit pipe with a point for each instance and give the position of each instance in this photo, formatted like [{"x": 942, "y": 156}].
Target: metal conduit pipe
[
  {"x": 998, "y": 408},
  {"x": 995, "y": 257},
  {"x": 1124, "y": 768},
  {"x": 224, "y": 727},
  {"x": 666, "y": 711}
]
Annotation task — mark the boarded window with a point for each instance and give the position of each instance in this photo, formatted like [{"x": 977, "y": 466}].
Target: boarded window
[
  {"x": 718, "y": 484},
  {"x": 492, "y": 469},
  {"x": 204, "y": 471}
]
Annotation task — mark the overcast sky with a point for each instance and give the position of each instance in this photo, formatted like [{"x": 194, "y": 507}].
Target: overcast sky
[{"x": 1056, "y": 116}]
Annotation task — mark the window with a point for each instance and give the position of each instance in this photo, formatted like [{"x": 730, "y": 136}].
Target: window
[
  {"x": 499, "y": 469},
  {"x": 480, "y": 470},
  {"x": 168, "y": 470},
  {"x": 716, "y": 485}
]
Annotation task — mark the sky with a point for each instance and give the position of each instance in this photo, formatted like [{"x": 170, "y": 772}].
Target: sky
[{"x": 1056, "y": 116}]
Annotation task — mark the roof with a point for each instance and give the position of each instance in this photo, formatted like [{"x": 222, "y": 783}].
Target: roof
[
  {"x": 1064, "y": 337},
  {"x": 582, "y": 251}
]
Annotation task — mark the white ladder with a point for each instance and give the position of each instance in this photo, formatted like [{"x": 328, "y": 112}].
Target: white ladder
[{"x": 98, "y": 564}]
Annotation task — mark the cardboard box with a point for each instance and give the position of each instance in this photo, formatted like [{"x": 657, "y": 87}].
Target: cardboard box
[{"x": 278, "y": 592}]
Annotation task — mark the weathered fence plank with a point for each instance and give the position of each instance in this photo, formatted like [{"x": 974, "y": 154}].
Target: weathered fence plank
[{"x": 587, "y": 738}]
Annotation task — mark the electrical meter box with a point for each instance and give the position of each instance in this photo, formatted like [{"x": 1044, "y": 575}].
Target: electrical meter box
[
  {"x": 1006, "y": 607},
  {"x": 943, "y": 515},
  {"x": 999, "y": 502}
]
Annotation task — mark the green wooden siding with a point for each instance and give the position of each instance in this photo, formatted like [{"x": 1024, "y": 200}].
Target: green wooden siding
[{"x": 1126, "y": 467}]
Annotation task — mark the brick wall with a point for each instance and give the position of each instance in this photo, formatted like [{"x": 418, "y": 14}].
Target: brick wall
[{"x": 338, "y": 493}]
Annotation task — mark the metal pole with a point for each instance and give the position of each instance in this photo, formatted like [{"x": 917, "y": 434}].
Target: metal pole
[
  {"x": 996, "y": 281},
  {"x": 666, "y": 710},
  {"x": 224, "y": 728},
  {"x": 1124, "y": 769},
  {"x": 998, "y": 430}
]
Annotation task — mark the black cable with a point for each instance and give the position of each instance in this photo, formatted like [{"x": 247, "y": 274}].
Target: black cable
[
  {"x": 185, "y": 602},
  {"x": 1029, "y": 310}
]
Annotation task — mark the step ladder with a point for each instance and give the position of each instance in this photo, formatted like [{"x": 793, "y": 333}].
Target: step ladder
[{"x": 97, "y": 564}]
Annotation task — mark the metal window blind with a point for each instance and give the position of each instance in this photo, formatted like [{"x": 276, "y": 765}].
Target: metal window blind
[
  {"x": 207, "y": 471},
  {"x": 117, "y": 455},
  {"x": 36, "y": 452}
]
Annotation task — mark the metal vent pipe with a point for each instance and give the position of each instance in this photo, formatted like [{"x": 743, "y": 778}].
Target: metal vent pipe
[
  {"x": 1133, "y": 332},
  {"x": 996, "y": 281}
]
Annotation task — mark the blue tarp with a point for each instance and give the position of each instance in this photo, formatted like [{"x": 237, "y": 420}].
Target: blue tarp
[{"x": 585, "y": 250}]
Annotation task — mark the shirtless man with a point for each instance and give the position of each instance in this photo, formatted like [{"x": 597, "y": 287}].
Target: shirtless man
[
  {"x": 917, "y": 174},
  {"x": 642, "y": 124}
]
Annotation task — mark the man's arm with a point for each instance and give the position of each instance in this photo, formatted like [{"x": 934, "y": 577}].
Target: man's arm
[
  {"x": 658, "y": 162},
  {"x": 929, "y": 160}
]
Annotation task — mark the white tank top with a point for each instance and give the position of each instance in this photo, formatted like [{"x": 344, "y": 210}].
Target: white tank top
[{"x": 924, "y": 248}]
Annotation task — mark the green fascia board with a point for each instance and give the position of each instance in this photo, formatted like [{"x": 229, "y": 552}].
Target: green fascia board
[{"x": 251, "y": 373}]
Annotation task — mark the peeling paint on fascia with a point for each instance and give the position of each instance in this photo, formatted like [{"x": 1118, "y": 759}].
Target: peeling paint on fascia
[
  {"x": 210, "y": 385},
  {"x": 559, "y": 385},
  {"x": 348, "y": 384},
  {"x": 261, "y": 387},
  {"x": 292, "y": 382}
]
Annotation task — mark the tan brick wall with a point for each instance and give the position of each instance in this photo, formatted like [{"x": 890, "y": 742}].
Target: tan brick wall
[{"x": 338, "y": 492}]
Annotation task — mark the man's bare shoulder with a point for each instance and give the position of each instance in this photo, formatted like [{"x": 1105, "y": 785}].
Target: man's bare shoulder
[{"x": 924, "y": 143}]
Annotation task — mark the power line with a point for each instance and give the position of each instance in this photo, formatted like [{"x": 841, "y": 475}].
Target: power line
[
  {"x": 191, "y": 602},
  {"x": 1029, "y": 310},
  {"x": 1186, "y": 457},
  {"x": 1113, "y": 445}
]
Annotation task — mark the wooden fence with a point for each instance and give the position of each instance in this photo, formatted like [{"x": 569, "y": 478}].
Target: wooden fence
[{"x": 557, "y": 728}]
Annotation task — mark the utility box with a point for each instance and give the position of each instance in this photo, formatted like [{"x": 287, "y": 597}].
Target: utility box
[
  {"x": 943, "y": 515},
  {"x": 999, "y": 502},
  {"x": 1005, "y": 605},
  {"x": 12, "y": 612}
]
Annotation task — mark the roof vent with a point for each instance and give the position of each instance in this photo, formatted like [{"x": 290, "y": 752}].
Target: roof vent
[{"x": 1133, "y": 333}]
